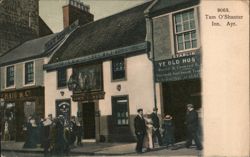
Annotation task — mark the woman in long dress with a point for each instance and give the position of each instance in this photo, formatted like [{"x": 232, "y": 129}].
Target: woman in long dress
[{"x": 148, "y": 140}]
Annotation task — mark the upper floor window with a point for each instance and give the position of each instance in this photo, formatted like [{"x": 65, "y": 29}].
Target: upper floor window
[
  {"x": 29, "y": 72},
  {"x": 120, "y": 110},
  {"x": 185, "y": 30},
  {"x": 118, "y": 69},
  {"x": 62, "y": 77},
  {"x": 10, "y": 76}
]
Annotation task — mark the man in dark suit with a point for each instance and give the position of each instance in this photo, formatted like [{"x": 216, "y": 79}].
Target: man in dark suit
[
  {"x": 156, "y": 126},
  {"x": 140, "y": 130},
  {"x": 192, "y": 123}
]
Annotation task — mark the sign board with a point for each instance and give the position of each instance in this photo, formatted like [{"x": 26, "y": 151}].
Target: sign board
[
  {"x": 63, "y": 108},
  {"x": 175, "y": 69}
]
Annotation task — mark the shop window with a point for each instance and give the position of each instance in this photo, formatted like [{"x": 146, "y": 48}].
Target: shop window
[
  {"x": 118, "y": 69},
  {"x": 10, "y": 76},
  {"x": 62, "y": 77},
  {"x": 29, "y": 72},
  {"x": 120, "y": 110},
  {"x": 185, "y": 30},
  {"x": 29, "y": 109}
]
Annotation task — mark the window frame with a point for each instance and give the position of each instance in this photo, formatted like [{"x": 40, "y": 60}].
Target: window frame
[
  {"x": 125, "y": 70},
  {"x": 57, "y": 78},
  {"x": 6, "y": 76},
  {"x": 24, "y": 74},
  {"x": 114, "y": 100},
  {"x": 189, "y": 31}
]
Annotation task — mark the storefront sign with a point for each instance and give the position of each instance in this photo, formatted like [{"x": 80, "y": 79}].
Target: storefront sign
[
  {"x": 21, "y": 94},
  {"x": 88, "y": 96},
  {"x": 182, "y": 68}
]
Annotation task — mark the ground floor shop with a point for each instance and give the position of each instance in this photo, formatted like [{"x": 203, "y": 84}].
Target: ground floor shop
[
  {"x": 175, "y": 96},
  {"x": 17, "y": 107}
]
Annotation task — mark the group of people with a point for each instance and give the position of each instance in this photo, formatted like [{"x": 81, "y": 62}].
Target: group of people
[
  {"x": 55, "y": 135},
  {"x": 147, "y": 130}
]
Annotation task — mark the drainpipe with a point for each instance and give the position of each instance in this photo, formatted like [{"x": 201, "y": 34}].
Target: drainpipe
[{"x": 153, "y": 58}]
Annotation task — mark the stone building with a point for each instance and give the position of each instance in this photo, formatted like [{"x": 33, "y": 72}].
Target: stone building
[{"x": 19, "y": 22}]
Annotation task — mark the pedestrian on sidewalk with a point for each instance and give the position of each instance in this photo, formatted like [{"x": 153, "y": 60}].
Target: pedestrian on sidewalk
[
  {"x": 79, "y": 132},
  {"x": 192, "y": 123},
  {"x": 47, "y": 126},
  {"x": 140, "y": 130},
  {"x": 148, "y": 139},
  {"x": 156, "y": 126},
  {"x": 31, "y": 126},
  {"x": 72, "y": 130},
  {"x": 168, "y": 134}
]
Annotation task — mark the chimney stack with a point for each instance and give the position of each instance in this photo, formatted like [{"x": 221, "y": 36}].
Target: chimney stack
[{"x": 76, "y": 10}]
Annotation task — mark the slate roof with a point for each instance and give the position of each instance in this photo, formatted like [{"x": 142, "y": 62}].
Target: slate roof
[
  {"x": 165, "y": 6},
  {"x": 123, "y": 29},
  {"x": 28, "y": 50}
]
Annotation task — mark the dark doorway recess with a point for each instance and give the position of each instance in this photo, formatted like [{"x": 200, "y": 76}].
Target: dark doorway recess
[
  {"x": 88, "y": 120},
  {"x": 176, "y": 95}
]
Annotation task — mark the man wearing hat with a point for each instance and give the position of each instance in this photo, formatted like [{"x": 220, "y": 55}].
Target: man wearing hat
[
  {"x": 192, "y": 123},
  {"x": 140, "y": 130},
  {"x": 156, "y": 125}
]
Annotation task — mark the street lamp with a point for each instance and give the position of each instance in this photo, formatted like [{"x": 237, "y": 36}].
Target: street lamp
[{"x": 72, "y": 83}]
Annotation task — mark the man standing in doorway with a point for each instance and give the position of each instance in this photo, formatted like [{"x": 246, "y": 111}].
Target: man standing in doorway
[
  {"x": 140, "y": 130},
  {"x": 156, "y": 126},
  {"x": 192, "y": 123}
]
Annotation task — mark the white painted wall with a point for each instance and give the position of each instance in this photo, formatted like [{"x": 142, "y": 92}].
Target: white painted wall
[
  {"x": 138, "y": 85},
  {"x": 52, "y": 93}
]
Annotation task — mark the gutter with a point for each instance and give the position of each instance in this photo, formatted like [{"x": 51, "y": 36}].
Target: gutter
[{"x": 133, "y": 49}]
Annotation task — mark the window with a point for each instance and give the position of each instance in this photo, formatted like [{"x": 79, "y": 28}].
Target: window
[
  {"x": 62, "y": 77},
  {"x": 10, "y": 76},
  {"x": 29, "y": 72},
  {"x": 118, "y": 69},
  {"x": 120, "y": 110},
  {"x": 185, "y": 30}
]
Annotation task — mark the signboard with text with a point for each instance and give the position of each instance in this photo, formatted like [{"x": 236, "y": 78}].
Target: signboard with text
[{"x": 175, "y": 69}]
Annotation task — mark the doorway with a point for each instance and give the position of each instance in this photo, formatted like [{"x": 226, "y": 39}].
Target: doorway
[
  {"x": 88, "y": 120},
  {"x": 176, "y": 95}
]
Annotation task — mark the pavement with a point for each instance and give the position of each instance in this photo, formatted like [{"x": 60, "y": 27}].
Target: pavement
[{"x": 106, "y": 149}]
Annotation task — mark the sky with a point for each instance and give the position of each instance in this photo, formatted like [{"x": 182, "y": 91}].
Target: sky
[{"x": 51, "y": 10}]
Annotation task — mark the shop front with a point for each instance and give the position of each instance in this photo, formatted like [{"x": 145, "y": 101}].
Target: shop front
[
  {"x": 181, "y": 85},
  {"x": 18, "y": 106}
]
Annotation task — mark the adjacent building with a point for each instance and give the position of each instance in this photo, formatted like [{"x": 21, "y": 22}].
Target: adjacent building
[
  {"x": 22, "y": 80},
  {"x": 174, "y": 34},
  {"x": 20, "y": 22}
]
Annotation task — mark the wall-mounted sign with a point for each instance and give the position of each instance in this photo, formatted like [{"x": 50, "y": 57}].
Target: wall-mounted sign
[
  {"x": 181, "y": 68},
  {"x": 63, "y": 108},
  {"x": 88, "y": 78},
  {"x": 88, "y": 96}
]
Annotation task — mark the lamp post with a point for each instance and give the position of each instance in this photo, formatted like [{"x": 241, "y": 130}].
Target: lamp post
[{"x": 1, "y": 122}]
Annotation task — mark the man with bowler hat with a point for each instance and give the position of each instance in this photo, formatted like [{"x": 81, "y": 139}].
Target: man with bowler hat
[
  {"x": 192, "y": 123},
  {"x": 156, "y": 126},
  {"x": 140, "y": 130}
]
